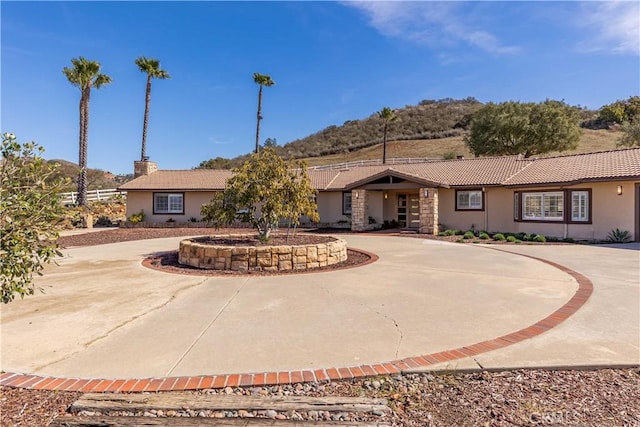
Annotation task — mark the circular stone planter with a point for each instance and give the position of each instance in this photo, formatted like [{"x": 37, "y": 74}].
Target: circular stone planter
[{"x": 200, "y": 254}]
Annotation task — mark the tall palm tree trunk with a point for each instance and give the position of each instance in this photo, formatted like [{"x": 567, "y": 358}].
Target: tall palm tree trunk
[
  {"x": 82, "y": 161},
  {"x": 384, "y": 145},
  {"x": 145, "y": 123},
  {"x": 259, "y": 117}
]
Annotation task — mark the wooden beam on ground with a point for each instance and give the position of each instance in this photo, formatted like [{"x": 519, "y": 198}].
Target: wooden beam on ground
[
  {"x": 200, "y": 421},
  {"x": 105, "y": 402}
]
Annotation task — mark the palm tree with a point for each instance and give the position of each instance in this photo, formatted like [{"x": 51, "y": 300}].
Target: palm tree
[
  {"x": 152, "y": 68},
  {"x": 262, "y": 80},
  {"x": 84, "y": 74},
  {"x": 388, "y": 115}
]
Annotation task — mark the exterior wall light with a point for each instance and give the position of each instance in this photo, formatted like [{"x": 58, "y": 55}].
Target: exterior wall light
[
  {"x": 386, "y": 195},
  {"x": 619, "y": 190},
  {"x": 426, "y": 192}
]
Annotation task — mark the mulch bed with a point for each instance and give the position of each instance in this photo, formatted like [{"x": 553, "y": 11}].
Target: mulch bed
[
  {"x": 604, "y": 397},
  {"x": 274, "y": 240}
]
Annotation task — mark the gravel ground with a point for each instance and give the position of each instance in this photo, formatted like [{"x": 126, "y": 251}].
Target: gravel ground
[{"x": 604, "y": 397}]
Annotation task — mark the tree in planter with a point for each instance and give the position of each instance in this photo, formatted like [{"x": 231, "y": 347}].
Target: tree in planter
[
  {"x": 523, "y": 128},
  {"x": 152, "y": 68},
  {"x": 261, "y": 80},
  {"x": 84, "y": 74},
  {"x": 387, "y": 115},
  {"x": 29, "y": 213},
  {"x": 264, "y": 190}
]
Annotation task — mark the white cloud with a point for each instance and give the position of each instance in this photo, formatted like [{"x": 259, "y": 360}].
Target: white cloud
[
  {"x": 616, "y": 27},
  {"x": 431, "y": 23}
]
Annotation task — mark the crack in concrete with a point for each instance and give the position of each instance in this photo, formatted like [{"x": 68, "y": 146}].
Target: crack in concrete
[
  {"x": 206, "y": 328},
  {"x": 478, "y": 363},
  {"x": 397, "y": 329},
  {"x": 384, "y": 316},
  {"x": 120, "y": 325}
]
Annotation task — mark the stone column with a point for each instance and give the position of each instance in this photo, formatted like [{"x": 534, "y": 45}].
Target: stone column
[
  {"x": 429, "y": 210},
  {"x": 359, "y": 220}
]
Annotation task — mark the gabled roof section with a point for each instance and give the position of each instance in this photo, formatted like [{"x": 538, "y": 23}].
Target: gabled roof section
[
  {"x": 576, "y": 168},
  {"x": 192, "y": 180},
  {"x": 396, "y": 174},
  {"x": 467, "y": 172}
]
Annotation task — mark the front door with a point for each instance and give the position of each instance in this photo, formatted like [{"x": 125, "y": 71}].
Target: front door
[
  {"x": 409, "y": 210},
  {"x": 414, "y": 211}
]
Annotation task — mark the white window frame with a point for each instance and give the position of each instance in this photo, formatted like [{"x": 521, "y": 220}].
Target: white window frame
[
  {"x": 347, "y": 203},
  {"x": 174, "y": 200},
  {"x": 543, "y": 213},
  {"x": 580, "y": 210},
  {"x": 471, "y": 204}
]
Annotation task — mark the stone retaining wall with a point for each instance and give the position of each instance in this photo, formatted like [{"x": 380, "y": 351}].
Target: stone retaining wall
[{"x": 265, "y": 258}]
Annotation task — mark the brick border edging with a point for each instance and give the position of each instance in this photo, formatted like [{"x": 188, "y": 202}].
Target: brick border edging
[{"x": 36, "y": 382}]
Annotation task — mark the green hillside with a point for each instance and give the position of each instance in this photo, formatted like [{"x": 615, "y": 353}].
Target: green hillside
[{"x": 433, "y": 128}]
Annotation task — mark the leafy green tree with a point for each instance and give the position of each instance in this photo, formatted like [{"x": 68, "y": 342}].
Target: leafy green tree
[
  {"x": 387, "y": 115},
  {"x": 264, "y": 190},
  {"x": 261, "y": 80},
  {"x": 270, "y": 143},
  {"x": 620, "y": 111},
  {"x": 523, "y": 128},
  {"x": 29, "y": 212},
  {"x": 84, "y": 74},
  {"x": 631, "y": 134},
  {"x": 152, "y": 68}
]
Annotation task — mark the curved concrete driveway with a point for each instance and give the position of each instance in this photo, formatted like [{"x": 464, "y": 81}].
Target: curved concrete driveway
[{"x": 104, "y": 315}]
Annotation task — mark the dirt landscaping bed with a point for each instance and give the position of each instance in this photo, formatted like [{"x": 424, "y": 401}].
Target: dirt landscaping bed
[{"x": 605, "y": 397}]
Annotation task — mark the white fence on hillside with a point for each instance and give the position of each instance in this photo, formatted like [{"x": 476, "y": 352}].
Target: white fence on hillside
[
  {"x": 355, "y": 163},
  {"x": 71, "y": 197}
]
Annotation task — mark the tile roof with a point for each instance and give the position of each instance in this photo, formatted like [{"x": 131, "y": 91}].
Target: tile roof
[
  {"x": 508, "y": 171},
  {"x": 195, "y": 179},
  {"x": 603, "y": 165}
]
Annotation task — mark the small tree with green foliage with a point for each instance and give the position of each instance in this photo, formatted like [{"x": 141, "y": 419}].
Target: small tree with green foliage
[
  {"x": 264, "y": 190},
  {"x": 29, "y": 213},
  {"x": 620, "y": 112},
  {"x": 631, "y": 134},
  {"x": 523, "y": 128}
]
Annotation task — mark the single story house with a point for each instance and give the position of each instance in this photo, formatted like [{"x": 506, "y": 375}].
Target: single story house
[{"x": 582, "y": 196}]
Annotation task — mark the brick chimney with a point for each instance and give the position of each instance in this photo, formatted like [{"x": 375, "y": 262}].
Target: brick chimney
[{"x": 144, "y": 167}]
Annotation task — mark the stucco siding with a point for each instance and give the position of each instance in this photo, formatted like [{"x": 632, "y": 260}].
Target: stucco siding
[
  {"x": 143, "y": 200},
  {"x": 450, "y": 219},
  {"x": 330, "y": 206}
]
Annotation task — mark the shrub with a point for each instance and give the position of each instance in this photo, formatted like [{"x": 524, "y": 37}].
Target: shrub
[
  {"x": 458, "y": 232},
  {"x": 539, "y": 238},
  {"x": 447, "y": 233},
  {"x": 483, "y": 236},
  {"x": 511, "y": 239},
  {"x": 619, "y": 236},
  {"x": 468, "y": 235},
  {"x": 103, "y": 221},
  {"x": 193, "y": 219},
  {"x": 136, "y": 218},
  {"x": 525, "y": 237},
  {"x": 171, "y": 220},
  {"x": 568, "y": 240},
  {"x": 499, "y": 237}
]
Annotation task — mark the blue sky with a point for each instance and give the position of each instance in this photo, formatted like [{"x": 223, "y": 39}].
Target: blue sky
[{"x": 331, "y": 61}]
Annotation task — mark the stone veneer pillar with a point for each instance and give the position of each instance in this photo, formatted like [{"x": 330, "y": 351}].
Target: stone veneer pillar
[
  {"x": 359, "y": 221},
  {"x": 429, "y": 211},
  {"x": 144, "y": 167}
]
